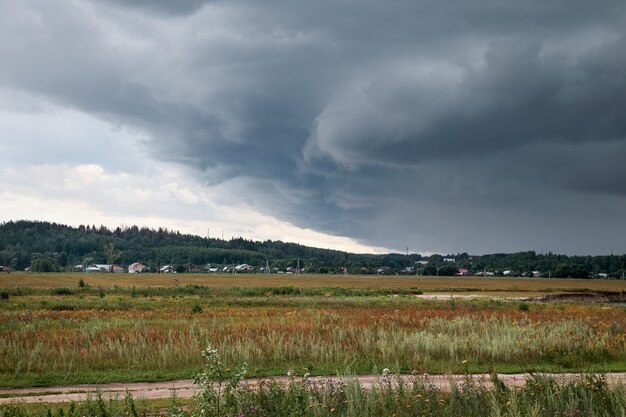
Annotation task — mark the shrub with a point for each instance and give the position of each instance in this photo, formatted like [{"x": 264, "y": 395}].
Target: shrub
[
  {"x": 62, "y": 291},
  {"x": 219, "y": 384},
  {"x": 62, "y": 307},
  {"x": 4, "y": 295}
]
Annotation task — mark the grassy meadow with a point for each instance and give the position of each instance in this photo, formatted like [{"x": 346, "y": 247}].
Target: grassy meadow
[
  {"x": 521, "y": 286},
  {"x": 149, "y": 327}
]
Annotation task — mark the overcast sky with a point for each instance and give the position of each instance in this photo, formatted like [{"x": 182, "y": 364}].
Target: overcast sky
[{"x": 441, "y": 126}]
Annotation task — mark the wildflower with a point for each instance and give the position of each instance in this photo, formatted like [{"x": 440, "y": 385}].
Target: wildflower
[
  {"x": 386, "y": 372},
  {"x": 291, "y": 373}
]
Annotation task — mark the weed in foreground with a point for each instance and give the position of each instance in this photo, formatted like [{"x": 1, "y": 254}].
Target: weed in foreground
[{"x": 225, "y": 393}]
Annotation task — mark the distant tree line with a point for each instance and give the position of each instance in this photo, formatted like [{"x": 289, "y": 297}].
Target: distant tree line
[{"x": 52, "y": 247}]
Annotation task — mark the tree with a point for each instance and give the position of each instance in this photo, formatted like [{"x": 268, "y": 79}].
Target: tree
[
  {"x": 111, "y": 253},
  {"x": 448, "y": 270},
  {"x": 429, "y": 270}
]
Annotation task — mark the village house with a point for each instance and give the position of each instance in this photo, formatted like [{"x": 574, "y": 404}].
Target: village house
[
  {"x": 137, "y": 268},
  {"x": 244, "y": 268},
  {"x": 98, "y": 268}
]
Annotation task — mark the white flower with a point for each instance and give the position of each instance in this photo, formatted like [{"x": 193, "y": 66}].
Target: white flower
[{"x": 209, "y": 352}]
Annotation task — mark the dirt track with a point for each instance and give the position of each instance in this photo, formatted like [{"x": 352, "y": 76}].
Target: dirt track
[{"x": 186, "y": 389}]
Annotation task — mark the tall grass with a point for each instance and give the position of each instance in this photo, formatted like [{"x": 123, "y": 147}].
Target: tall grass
[
  {"x": 56, "y": 339},
  {"x": 189, "y": 289},
  {"x": 587, "y": 397}
]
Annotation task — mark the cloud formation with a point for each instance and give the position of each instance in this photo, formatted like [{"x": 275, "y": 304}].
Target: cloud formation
[{"x": 441, "y": 126}]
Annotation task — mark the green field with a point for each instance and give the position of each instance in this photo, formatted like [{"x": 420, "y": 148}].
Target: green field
[
  {"x": 152, "y": 327},
  {"x": 427, "y": 284},
  {"x": 77, "y": 328}
]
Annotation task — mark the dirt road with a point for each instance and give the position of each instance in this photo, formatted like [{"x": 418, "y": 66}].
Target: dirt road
[{"x": 186, "y": 389}]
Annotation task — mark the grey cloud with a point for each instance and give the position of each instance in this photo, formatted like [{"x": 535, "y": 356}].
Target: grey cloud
[
  {"x": 173, "y": 7},
  {"x": 518, "y": 98},
  {"x": 405, "y": 123}
]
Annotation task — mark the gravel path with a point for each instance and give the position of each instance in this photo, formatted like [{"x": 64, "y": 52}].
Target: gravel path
[{"x": 185, "y": 388}]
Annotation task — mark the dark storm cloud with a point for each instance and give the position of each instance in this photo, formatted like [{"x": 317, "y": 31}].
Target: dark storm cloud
[
  {"x": 174, "y": 7},
  {"x": 406, "y": 123},
  {"x": 516, "y": 99}
]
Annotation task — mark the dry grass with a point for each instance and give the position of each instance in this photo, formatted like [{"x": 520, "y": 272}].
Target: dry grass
[
  {"x": 75, "y": 338},
  {"x": 101, "y": 335},
  {"x": 426, "y": 284}
]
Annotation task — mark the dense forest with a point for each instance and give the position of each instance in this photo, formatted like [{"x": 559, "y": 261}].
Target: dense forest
[{"x": 51, "y": 247}]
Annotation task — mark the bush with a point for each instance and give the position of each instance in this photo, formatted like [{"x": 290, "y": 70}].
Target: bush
[
  {"x": 81, "y": 283},
  {"x": 62, "y": 291},
  {"x": 219, "y": 385},
  {"x": 4, "y": 295},
  {"x": 62, "y": 307},
  {"x": 196, "y": 308}
]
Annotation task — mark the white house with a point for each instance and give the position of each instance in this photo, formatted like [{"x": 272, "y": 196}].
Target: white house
[
  {"x": 244, "y": 267},
  {"x": 98, "y": 268},
  {"x": 136, "y": 268}
]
